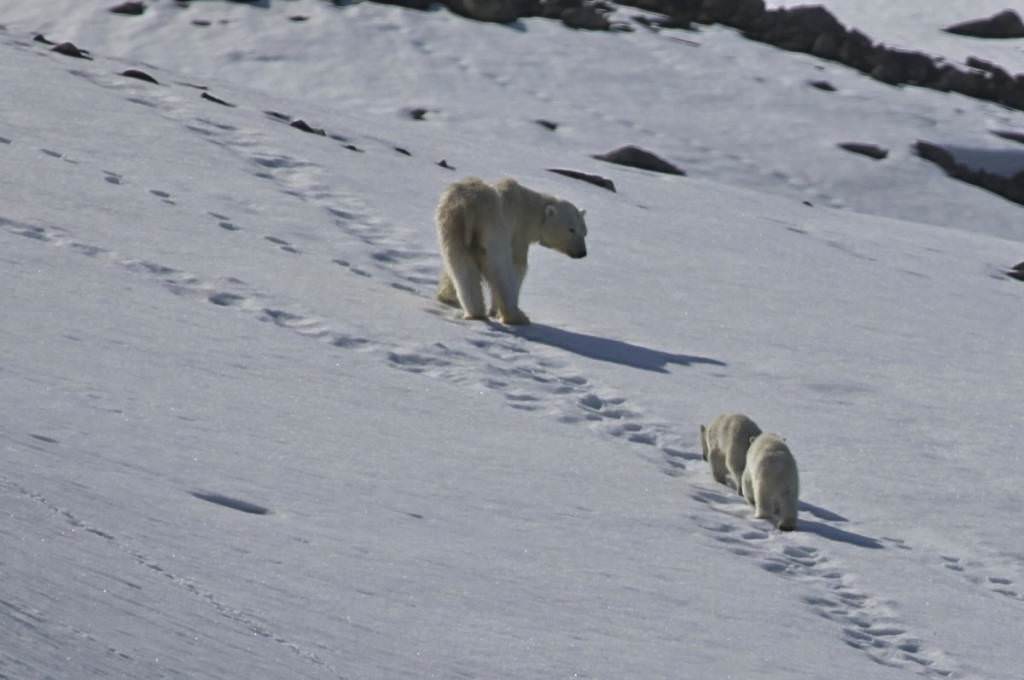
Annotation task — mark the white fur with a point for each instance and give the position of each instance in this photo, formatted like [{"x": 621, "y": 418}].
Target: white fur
[
  {"x": 771, "y": 482},
  {"x": 725, "y": 444},
  {"x": 485, "y": 232}
]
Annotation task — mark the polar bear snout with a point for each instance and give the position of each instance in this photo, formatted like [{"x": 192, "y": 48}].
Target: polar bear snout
[{"x": 578, "y": 253}]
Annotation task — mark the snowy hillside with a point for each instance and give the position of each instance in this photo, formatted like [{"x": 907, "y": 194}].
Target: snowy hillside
[{"x": 241, "y": 439}]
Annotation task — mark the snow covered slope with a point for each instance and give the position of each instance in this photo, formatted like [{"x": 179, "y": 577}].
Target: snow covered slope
[{"x": 241, "y": 440}]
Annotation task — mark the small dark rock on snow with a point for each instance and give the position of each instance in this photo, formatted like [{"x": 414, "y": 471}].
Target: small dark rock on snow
[
  {"x": 139, "y": 75},
  {"x": 869, "y": 150},
  {"x": 40, "y": 38},
  {"x": 822, "y": 85},
  {"x": 129, "y": 8},
  {"x": 1016, "y": 272},
  {"x": 635, "y": 157},
  {"x": 550, "y": 125},
  {"x": 596, "y": 180},
  {"x": 216, "y": 100},
  {"x": 300, "y": 124},
  {"x": 444, "y": 164},
  {"x": 71, "y": 50},
  {"x": 1005, "y": 24}
]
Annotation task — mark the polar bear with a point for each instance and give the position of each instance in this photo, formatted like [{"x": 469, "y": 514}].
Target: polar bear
[
  {"x": 725, "y": 444},
  {"x": 486, "y": 230},
  {"x": 771, "y": 482}
]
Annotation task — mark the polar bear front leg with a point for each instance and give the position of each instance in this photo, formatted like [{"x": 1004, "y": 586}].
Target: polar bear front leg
[
  {"x": 501, "y": 277},
  {"x": 747, "y": 486}
]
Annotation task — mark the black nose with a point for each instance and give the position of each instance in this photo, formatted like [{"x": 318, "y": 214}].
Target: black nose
[{"x": 580, "y": 254}]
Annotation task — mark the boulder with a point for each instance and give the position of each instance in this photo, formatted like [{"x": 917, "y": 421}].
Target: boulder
[
  {"x": 497, "y": 11},
  {"x": 129, "y": 8},
  {"x": 869, "y": 150},
  {"x": 1005, "y": 24},
  {"x": 636, "y": 157}
]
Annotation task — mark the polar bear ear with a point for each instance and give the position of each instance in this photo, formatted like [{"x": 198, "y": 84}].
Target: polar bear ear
[
  {"x": 583, "y": 212},
  {"x": 549, "y": 211}
]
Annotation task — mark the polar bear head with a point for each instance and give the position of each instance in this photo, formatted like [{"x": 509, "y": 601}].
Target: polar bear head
[{"x": 564, "y": 229}]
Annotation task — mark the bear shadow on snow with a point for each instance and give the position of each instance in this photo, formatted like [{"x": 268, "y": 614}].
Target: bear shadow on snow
[
  {"x": 607, "y": 349},
  {"x": 840, "y": 535}
]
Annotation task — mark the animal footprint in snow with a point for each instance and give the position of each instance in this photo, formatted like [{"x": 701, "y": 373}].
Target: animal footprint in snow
[{"x": 285, "y": 246}]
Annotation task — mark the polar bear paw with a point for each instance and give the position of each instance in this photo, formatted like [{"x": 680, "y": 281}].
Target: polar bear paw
[{"x": 515, "y": 318}]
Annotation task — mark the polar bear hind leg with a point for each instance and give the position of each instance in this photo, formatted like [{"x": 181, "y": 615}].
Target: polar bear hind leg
[
  {"x": 747, "y": 486},
  {"x": 446, "y": 290},
  {"x": 461, "y": 266},
  {"x": 502, "y": 279}
]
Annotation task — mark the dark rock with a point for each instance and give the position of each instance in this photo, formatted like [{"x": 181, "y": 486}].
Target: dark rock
[
  {"x": 971, "y": 83},
  {"x": 1006, "y": 24},
  {"x": 869, "y": 150},
  {"x": 718, "y": 11},
  {"x": 40, "y": 38},
  {"x": 200, "y": 22},
  {"x": 300, "y": 124},
  {"x": 444, "y": 164},
  {"x": 419, "y": 113},
  {"x": 857, "y": 51},
  {"x": 550, "y": 125},
  {"x": 216, "y": 100},
  {"x": 586, "y": 18},
  {"x": 338, "y": 138},
  {"x": 277, "y": 115},
  {"x": 497, "y": 11},
  {"x": 298, "y": 18},
  {"x": 410, "y": 4},
  {"x": 822, "y": 85},
  {"x": 552, "y": 9},
  {"x": 353, "y": 147},
  {"x": 827, "y": 45},
  {"x": 129, "y": 8},
  {"x": 596, "y": 180},
  {"x": 899, "y": 66},
  {"x": 404, "y": 152},
  {"x": 139, "y": 75},
  {"x": 1010, "y": 188},
  {"x": 70, "y": 50},
  {"x": 1010, "y": 134},
  {"x": 1016, "y": 272},
  {"x": 636, "y": 157},
  {"x": 747, "y": 14},
  {"x": 795, "y": 29}
]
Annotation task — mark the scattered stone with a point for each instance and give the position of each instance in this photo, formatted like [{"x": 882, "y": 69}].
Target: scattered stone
[
  {"x": 404, "y": 152},
  {"x": 353, "y": 147},
  {"x": 129, "y": 8},
  {"x": 139, "y": 75},
  {"x": 298, "y": 17},
  {"x": 40, "y": 38},
  {"x": 300, "y": 124},
  {"x": 200, "y": 22},
  {"x": 444, "y": 164},
  {"x": 71, "y": 50},
  {"x": 216, "y": 100},
  {"x": 279, "y": 116},
  {"x": 1016, "y": 272},
  {"x": 636, "y": 157},
  {"x": 338, "y": 138},
  {"x": 596, "y": 180},
  {"x": 1005, "y": 24},
  {"x": 192, "y": 85},
  {"x": 869, "y": 150},
  {"x": 550, "y": 125},
  {"x": 419, "y": 113},
  {"x": 808, "y": 204},
  {"x": 822, "y": 85},
  {"x": 899, "y": 66}
]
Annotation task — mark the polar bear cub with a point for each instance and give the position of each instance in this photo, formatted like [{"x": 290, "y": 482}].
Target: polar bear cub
[
  {"x": 725, "y": 443},
  {"x": 771, "y": 482},
  {"x": 485, "y": 232}
]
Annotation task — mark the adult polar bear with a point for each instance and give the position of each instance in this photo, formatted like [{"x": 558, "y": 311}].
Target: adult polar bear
[{"x": 485, "y": 232}]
